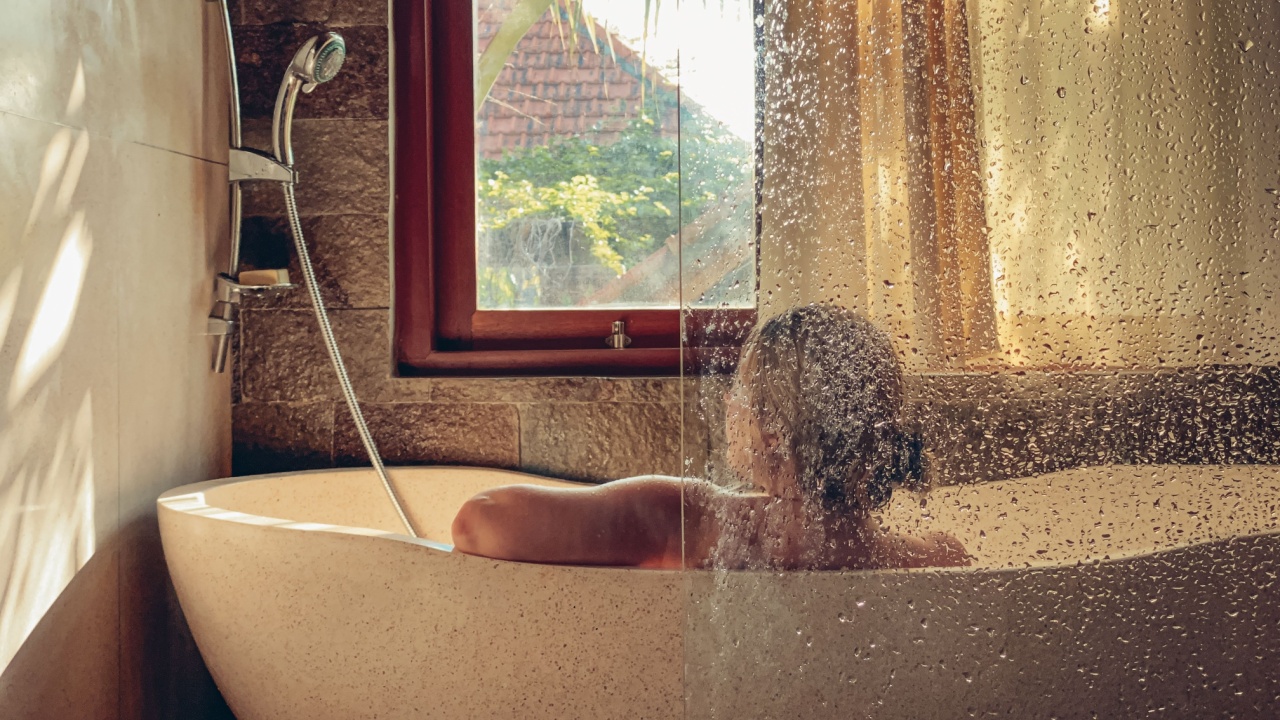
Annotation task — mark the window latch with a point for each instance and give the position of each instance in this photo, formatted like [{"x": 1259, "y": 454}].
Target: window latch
[{"x": 618, "y": 340}]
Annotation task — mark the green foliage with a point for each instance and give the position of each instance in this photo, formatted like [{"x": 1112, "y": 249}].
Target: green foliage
[{"x": 624, "y": 197}]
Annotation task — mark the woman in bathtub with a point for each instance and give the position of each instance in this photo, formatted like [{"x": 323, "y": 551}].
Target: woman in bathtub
[{"x": 812, "y": 421}]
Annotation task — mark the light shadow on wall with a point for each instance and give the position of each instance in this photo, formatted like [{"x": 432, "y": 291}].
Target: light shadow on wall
[
  {"x": 47, "y": 522},
  {"x": 89, "y": 625},
  {"x": 47, "y": 481},
  {"x": 113, "y": 644}
]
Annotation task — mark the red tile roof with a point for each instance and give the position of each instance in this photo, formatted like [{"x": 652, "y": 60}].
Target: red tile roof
[{"x": 549, "y": 89}]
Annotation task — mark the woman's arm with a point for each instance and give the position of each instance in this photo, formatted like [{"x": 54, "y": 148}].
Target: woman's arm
[{"x": 633, "y": 522}]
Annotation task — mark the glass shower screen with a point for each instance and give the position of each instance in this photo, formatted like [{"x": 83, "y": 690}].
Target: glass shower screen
[{"x": 981, "y": 338}]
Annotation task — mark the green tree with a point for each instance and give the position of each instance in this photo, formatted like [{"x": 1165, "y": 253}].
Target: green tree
[{"x": 624, "y": 198}]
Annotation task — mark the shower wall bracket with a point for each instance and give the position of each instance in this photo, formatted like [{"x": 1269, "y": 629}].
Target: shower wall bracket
[{"x": 245, "y": 164}]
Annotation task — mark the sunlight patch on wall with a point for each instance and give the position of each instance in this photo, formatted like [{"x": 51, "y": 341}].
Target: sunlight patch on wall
[
  {"x": 9, "y": 301},
  {"x": 71, "y": 176},
  {"x": 55, "y": 311},
  {"x": 46, "y": 513},
  {"x": 75, "y": 99},
  {"x": 55, "y": 156}
]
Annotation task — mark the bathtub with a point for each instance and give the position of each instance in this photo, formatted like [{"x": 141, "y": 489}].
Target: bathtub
[{"x": 1116, "y": 591}]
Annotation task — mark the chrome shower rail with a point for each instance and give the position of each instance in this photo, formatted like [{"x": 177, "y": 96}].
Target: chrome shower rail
[
  {"x": 222, "y": 319},
  {"x": 316, "y": 62}
]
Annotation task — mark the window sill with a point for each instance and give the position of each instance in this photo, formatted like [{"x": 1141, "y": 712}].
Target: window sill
[{"x": 606, "y": 362}]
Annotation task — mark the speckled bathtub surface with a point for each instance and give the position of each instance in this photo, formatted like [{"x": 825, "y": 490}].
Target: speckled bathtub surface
[
  {"x": 1096, "y": 592},
  {"x": 1089, "y": 514}
]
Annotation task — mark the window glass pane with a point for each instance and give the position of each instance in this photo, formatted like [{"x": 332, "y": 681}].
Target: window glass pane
[
  {"x": 718, "y": 160},
  {"x": 596, "y": 171}
]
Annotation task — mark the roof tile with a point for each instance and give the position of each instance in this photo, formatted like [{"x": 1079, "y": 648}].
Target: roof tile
[{"x": 548, "y": 89}]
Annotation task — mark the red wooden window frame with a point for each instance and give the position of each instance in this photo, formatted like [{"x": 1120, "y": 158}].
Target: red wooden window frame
[{"x": 438, "y": 330}]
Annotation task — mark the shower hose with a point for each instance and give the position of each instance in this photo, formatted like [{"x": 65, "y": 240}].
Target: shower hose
[{"x": 331, "y": 344}]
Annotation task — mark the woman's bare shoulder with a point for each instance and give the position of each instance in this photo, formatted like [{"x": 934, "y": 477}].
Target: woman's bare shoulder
[
  {"x": 693, "y": 491},
  {"x": 643, "y": 489}
]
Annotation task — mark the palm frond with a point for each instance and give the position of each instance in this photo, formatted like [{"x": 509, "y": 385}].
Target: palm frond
[
  {"x": 523, "y": 16},
  {"x": 526, "y": 14}
]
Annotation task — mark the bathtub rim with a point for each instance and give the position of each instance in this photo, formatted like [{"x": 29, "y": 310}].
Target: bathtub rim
[{"x": 190, "y": 499}]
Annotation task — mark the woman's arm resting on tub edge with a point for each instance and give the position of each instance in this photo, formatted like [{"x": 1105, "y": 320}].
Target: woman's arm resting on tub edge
[{"x": 633, "y": 522}]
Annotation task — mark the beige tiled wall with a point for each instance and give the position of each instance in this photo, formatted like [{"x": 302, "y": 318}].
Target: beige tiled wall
[{"x": 112, "y": 225}]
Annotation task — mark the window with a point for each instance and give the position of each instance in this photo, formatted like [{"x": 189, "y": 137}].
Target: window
[{"x": 582, "y": 189}]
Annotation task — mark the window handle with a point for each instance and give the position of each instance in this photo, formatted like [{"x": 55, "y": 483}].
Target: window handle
[{"x": 618, "y": 340}]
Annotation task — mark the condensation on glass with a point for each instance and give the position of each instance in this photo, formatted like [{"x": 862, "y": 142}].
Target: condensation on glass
[
  {"x": 1064, "y": 218},
  {"x": 599, "y": 166}
]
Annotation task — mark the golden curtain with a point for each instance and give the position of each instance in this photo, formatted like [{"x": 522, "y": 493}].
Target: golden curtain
[{"x": 871, "y": 195}]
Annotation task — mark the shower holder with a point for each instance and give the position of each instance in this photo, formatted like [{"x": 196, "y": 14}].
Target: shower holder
[
  {"x": 230, "y": 290},
  {"x": 221, "y": 322},
  {"x": 246, "y": 164}
]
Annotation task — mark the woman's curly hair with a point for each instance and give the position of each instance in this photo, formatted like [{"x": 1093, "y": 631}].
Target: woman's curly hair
[{"x": 827, "y": 382}]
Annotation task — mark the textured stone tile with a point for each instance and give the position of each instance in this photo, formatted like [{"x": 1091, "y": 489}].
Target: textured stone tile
[
  {"x": 600, "y": 441},
  {"x": 350, "y": 253},
  {"x": 982, "y": 427},
  {"x": 559, "y": 389},
  {"x": 650, "y": 390},
  {"x": 702, "y": 453},
  {"x": 1216, "y": 415},
  {"x": 343, "y": 169},
  {"x": 275, "y": 437},
  {"x": 521, "y": 390},
  {"x": 990, "y": 427},
  {"x": 359, "y": 91},
  {"x": 285, "y": 359},
  {"x": 419, "y": 433},
  {"x": 1260, "y": 395},
  {"x": 702, "y": 416},
  {"x": 332, "y": 13}
]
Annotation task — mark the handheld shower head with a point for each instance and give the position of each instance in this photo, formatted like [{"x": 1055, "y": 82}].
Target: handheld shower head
[{"x": 317, "y": 61}]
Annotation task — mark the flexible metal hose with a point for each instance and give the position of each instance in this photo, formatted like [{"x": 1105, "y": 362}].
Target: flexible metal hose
[{"x": 331, "y": 344}]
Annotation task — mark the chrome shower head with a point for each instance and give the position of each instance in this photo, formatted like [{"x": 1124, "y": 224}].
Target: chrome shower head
[{"x": 317, "y": 61}]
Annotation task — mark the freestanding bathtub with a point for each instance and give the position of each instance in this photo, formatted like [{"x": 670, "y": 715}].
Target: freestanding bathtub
[{"x": 1110, "y": 592}]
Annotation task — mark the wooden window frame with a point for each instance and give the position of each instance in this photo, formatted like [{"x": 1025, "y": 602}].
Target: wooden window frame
[{"x": 437, "y": 328}]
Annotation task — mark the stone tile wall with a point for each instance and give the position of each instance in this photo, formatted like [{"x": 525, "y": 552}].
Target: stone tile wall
[
  {"x": 991, "y": 427},
  {"x": 288, "y": 414}
]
